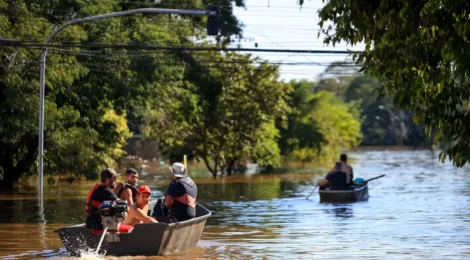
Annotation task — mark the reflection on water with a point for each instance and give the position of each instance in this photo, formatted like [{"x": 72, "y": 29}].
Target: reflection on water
[
  {"x": 420, "y": 210},
  {"x": 340, "y": 211}
]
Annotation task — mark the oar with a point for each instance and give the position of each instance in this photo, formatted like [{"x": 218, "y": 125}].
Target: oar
[
  {"x": 312, "y": 192},
  {"x": 371, "y": 179},
  {"x": 101, "y": 240}
]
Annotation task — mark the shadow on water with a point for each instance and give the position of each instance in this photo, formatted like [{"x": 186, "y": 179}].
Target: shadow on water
[{"x": 421, "y": 210}]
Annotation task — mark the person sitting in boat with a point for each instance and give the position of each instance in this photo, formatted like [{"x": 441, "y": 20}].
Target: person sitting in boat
[
  {"x": 138, "y": 212},
  {"x": 180, "y": 197},
  {"x": 98, "y": 194},
  {"x": 127, "y": 191},
  {"x": 345, "y": 167},
  {"x": 337, "y": 179}
]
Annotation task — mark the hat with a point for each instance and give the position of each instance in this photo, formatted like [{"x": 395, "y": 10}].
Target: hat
[
  {"x": 131, "y": 170},
  {"x": 179, "y": 170},
  {"x": 108, "y": 173},
  {"x": 144, "y": 189}
]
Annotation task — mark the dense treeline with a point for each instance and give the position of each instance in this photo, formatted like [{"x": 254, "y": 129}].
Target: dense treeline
[
  {"x": 96, "y": 98},
  {"x": 419, "y": 50},
  {"x": 217, "y": 107}
]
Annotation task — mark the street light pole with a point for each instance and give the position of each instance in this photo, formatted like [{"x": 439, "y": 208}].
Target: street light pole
[{"x": 82, "y": 20}]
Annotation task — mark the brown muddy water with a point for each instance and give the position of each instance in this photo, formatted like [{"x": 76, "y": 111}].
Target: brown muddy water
[{"x": 420, "y": 210}]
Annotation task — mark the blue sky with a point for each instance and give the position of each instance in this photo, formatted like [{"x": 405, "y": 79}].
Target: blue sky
[{"x": 284, "y": 25}]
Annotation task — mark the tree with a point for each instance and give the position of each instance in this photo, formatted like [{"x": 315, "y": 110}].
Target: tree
[
  {"x": 319, "y": 125},
  {"x": 90, "y": 93},
  {"x": 419, "y": 50},
  {"x": 226, "y": 112}
]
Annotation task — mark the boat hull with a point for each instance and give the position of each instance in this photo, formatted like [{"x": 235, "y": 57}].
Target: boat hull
[
  {"x": 359, "y": 193},
  {"x": 148, "y": 239}
]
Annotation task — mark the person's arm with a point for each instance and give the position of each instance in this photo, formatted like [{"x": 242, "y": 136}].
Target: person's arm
[
  {"x": 127, "y": 195},
  {"x": 141, "y": 216},
  {"x": 170, "y": 194},
  {"x": 323, "y": 183},
  {"x": 168, "y": 201}
]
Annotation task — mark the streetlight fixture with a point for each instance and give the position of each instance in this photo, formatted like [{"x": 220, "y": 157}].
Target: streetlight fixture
[{"x": 212, "y": 29}]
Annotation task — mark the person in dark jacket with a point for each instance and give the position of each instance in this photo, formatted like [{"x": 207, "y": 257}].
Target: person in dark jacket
[
  {"x": 337, "y": 179},
  {"x": 97, "y": 194},
  {"x": 181, "y": 194}
]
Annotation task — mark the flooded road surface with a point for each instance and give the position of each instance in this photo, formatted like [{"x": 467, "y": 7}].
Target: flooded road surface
[{"x": 420, "y": 210}]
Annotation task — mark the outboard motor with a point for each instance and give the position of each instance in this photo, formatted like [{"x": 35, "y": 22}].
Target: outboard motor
[{"x": 113, "y": 212}]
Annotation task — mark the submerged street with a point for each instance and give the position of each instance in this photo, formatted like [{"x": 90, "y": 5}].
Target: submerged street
[{"x": 420, "y": 210}]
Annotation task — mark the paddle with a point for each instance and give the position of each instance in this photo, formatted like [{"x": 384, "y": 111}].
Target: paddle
[
  {"x": 371, "y": 179},
  {"x": 312, "y": 192}
]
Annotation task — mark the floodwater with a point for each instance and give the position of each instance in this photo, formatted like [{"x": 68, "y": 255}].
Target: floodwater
[{"x": 420, "y": 210}]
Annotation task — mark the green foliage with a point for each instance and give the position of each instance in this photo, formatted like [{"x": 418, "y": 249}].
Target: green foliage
[
  {"x": 92, "y": 96},
  {"x": 319, "y": 125},
  {"x": 225, "y": 112},
  {"x": 419, "y": 50}
]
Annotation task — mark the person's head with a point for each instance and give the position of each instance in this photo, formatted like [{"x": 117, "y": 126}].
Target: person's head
[
  {"x": 108, "y": 177},
  {"x": 343, "y": 158},
  {"x": 143, "y": 195},
  {"x": 178, "y": 170},
  {"x": 132, "y": 176},
  {"x": 337, "y": 167}
]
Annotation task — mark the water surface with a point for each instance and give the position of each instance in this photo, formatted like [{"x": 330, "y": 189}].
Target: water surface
[{"x": 420, "y": 210}]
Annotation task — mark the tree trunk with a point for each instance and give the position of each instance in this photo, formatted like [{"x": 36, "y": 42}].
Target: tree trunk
[
  {"x": 230, "y": 166},
  {"x": 213, "y": 171}
]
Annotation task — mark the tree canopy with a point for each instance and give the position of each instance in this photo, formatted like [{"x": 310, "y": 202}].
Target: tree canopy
[
  {"x": 419, "y": 50},
  {"x": 95, "y": 97},
  {"x": 228, "y": 114},
  {"x": 319, "y": 125}
]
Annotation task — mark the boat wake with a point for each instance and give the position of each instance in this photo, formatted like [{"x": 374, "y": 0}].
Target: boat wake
[
  {"x": 60, "y": 254},
  {"x": 90, "y": 254}
]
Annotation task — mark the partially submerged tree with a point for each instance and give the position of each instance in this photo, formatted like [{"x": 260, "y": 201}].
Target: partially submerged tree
[
  {"x": 419, "y": 50},
  {"x": 319, "y": 125},
  {"x": 90, "y": 92},
  {"x": 227, "y": 114}
]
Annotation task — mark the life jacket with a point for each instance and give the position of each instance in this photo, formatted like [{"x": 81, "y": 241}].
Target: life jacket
[
  {"x": 91, "y": 206},
  {"x": 122, "y": 186},
  {"x": 187, "y": 199}
]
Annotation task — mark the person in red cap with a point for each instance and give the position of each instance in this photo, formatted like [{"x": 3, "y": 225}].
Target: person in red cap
[{"x": 138, "y": 212}]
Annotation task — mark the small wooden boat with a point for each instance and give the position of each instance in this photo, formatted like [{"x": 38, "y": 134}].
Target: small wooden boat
[
  {"x": 359, "y": 192},
  {"x": 148, "y": 239}
]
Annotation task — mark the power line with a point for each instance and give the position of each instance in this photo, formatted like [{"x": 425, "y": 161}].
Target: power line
[{"x": 17, "y": 43}]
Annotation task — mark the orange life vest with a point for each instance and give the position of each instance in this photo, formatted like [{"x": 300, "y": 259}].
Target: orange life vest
[{"x": 91, "y": 206}]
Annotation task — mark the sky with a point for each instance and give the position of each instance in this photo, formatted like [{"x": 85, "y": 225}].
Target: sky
[{"x": 282, "y": 24}]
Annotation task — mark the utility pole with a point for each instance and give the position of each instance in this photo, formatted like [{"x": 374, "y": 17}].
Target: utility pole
[{"x": 212, "y": 29}]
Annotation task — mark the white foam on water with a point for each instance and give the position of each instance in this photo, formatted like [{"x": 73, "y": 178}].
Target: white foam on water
[{"x": 91, "y": 254}]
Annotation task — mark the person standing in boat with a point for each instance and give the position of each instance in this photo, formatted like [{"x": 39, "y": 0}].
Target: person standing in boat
[
  {"x": 337, "y": 179},
  {"x": 127, "y": 191},
  {"x": 97, "y": 194},
  {"x": 138, "y": 212},
  {"x": 180, "y": 197}
]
